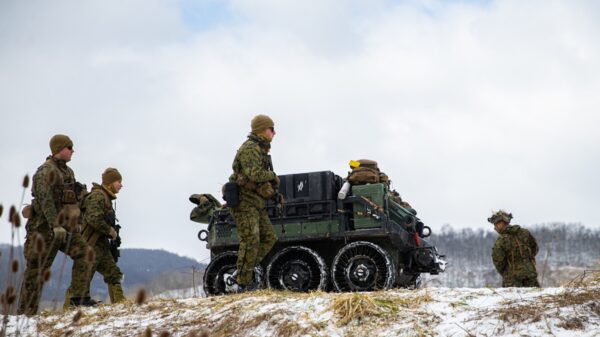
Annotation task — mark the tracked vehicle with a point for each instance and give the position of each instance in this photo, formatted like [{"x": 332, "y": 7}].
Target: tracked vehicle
[{"x": 363, "y": 242}]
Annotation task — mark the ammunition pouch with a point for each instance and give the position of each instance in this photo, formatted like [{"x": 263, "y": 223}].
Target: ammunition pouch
[
  {"x": 243, "y": 181},
  {"x": 266, "y": 190},
  {"x": 69, "y": 197},
  {"x": 231, "y": 194}
]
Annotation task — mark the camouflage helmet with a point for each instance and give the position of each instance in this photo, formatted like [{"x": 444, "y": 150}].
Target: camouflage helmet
[{"x": 500, "y": 216}]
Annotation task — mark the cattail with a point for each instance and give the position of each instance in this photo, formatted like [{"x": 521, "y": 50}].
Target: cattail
[
  {"x": 9, "y": 291},
  {"x": 47, "y": 275},
  {"x": 26, "y": 181},
  {"x": 11, "y": 213},
  {"x": 3, "y": 300},
  {"x": 11, "y": 299},
  {"x": 40, "y": 244},
  {"x": 165, "y": 334},
  {"x": 73, "y": 221},
  {"x": 61, "y": 218},
  {"x": 15, "y": 266},
  {"x": 148, "y": 332},
  {"x": 77, "y": 317},
  {"x": 1, "y": 209},
  {"x": 90, "y": 255},
  {"x": 51, "y": 178},
  {"x": 141, "y": 297},
  {"x": 9, "y": 295},
  {"x": 16, "y": 220}
]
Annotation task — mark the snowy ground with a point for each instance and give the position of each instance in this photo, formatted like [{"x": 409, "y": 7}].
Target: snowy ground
[{"x": 565, "y": 311}]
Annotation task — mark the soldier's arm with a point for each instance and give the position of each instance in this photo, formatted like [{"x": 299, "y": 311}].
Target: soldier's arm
[
  {"x": 250, "y": 160},
  {"x": 94, "y": 214},
  {"x": 43, "y": 192},
  {"x": 499, "y": 257}
]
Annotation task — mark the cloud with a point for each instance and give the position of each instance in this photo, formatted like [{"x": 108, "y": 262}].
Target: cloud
[{"x": 468, "y": 106}]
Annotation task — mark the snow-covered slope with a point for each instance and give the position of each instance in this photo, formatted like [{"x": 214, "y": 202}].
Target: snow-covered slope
[{"x": 565, "y": 311}]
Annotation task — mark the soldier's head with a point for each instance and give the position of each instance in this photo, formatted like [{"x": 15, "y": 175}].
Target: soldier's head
[
  {"x": 61, "y": 147},
  {"x": 263, "y": 125},
  {"x": 112, "y": 180},
  {"x": 500, "y": 220}
]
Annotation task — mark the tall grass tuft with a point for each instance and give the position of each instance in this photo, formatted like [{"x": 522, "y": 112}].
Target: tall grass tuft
[
  {"x": 140, "y": 298},
  {"x": 77, "y": 317}
]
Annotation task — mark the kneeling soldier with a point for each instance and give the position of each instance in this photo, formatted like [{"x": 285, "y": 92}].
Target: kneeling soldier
[{"x": 514, "y": 252}]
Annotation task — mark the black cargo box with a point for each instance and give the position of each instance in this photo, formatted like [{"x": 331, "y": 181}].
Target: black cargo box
[{"x": 307, "y": 194}]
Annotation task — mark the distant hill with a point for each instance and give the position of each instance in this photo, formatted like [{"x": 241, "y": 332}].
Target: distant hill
[{"x": 155, "y": 270}]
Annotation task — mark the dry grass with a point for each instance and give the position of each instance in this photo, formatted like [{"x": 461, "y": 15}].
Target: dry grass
[
  {"x": 582, "y": 296},
  {"x": 354, "y": 306},
  {"x": 352, "y": 314}
]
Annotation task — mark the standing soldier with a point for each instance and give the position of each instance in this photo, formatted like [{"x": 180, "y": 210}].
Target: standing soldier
[
  {"x": 514, "y": 252},
  {"x": 52, "y": 225},
  {"x": 99, "y": 226},
  {"x": 253, "y": 174}
]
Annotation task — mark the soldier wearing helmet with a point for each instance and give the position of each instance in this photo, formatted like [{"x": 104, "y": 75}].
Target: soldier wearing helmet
[
  {"x": 253, "y": 174},
  {"x": 52, "y": 225},
  {"x": 514, "y": 252}
]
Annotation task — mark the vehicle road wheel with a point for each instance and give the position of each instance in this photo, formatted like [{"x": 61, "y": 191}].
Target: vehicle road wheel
[
  {"x": 219, "y": 271},
  {"x": 362, "y": 266},
  {"x": 297, "y": 268}
]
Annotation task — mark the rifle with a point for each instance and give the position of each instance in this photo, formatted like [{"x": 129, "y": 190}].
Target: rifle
[
  {"x": 114, "y": 243},
  {"x": 278, "y": 197}
]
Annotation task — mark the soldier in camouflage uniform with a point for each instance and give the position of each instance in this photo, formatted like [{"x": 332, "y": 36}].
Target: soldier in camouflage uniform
[
  {"x": 252, "y": 171},
  {"x": 514, "y": 252},
  {"x": 52, "y": 226},
  {"x": 98, "y": 215}
]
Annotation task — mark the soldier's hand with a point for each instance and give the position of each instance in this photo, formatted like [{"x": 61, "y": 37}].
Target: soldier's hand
[
  {"x": 112, "y": 233},
  {"x": 60, "y": 234}
]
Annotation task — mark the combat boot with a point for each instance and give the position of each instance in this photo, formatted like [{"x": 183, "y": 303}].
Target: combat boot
[
  {"x": 83, "y": 301},
  {"x": 115, "y": 292}
]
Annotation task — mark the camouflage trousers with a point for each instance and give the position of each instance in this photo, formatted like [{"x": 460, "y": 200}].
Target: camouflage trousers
[
  {"x": 520, "y": 282},
  {"x": 40, "y": 251},
  {"x": 105, "y": 264},
  {"x": 256, "y": 238}
]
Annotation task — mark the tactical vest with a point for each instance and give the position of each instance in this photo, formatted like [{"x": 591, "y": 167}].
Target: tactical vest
[
  {"x": 64, "y": 194},
  {"x": 89, "y": 234},
  {"x": 239, "y": 177}
]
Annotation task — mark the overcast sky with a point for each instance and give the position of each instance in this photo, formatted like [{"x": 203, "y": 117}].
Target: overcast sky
[{"x": 468, "y": 106}]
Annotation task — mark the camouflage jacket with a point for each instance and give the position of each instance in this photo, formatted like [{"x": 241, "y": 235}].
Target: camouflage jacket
[
  {"x": 514, "y": 253},
  {"x": 50, "y": 182},
  {"x": 251, "y": 163},
  {"x": 97, "y": 213}
]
